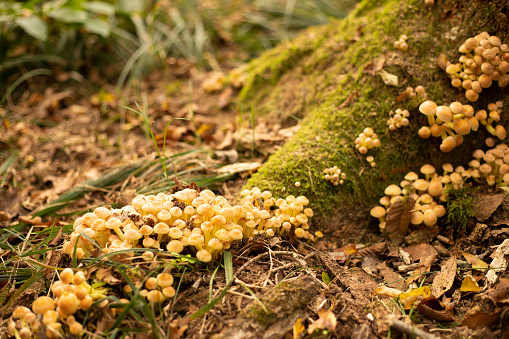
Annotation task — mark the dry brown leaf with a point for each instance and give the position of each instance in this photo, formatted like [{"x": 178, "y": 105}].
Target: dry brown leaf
[
  {"x": 426, "y": 254},
  {"x": 487, "y": 205},
  {"x": 433, "y": 308},
  {"x": 399, "y": 215},
  {"x": 239, "y": 167},
  {"x": 373, "y": 67},
  {"x": 327, "y": 320},
  {"x": 479, "y": 319},
  {"x": 372, "y": 250},
  {"x": 225, "y": 97},
  {"x": 443, "y": 281},
  {"x": 499, "y": 262},
  {"x": 499, "y": 294},
  {"x": 475, "y": 261},
  {"x": 392, "y": 278}
]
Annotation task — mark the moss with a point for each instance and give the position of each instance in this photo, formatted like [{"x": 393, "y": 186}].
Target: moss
[{"x": 320, "y": 77}]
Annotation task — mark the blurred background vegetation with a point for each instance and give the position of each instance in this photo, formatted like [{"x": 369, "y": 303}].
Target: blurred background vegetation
[{"x": 118, "y": 41}]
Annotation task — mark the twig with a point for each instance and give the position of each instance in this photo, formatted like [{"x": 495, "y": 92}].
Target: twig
[{"x": 398, "y": 325}]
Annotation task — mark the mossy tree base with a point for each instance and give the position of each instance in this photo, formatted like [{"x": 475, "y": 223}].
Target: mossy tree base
[{"x": 322, "y": 77}]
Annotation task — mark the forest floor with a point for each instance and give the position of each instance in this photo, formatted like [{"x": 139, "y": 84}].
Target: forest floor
[{"x": 281, "y": 289}]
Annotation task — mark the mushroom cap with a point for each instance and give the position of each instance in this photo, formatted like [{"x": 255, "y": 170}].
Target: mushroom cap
[
  {"x": 417, "y": 218},
  {"x": 113, "y": 222},
  {"x": 428, "y": 107},
  {"x": 444, "y": 113},
  {"x": 175, "y": 246},
  {"x": 447, "y": 167},
  {"x": 424, "y": 132},
  {"x": 427, "y": 169},
  {"x": 439, "y": 210},
  {"x": 456, "y": 107},
  {"x": 43, "y": 304},
  {"x": 411, "y": 176},
  {"x": 392, "y": 190},
  {"x": 195, "y": 239},
  {"x": 68, "y": 303},
  {"x": 435, "y": 187},
  {"x": 485, "y": 168},
  {"x": 421, "y": 185},
  {"x": 164, "y": 280},
  {"x": 132, "y": 235},
  {"x": 386, "y": 201},
  {"x": 448, "y": 144},
  {"x": 161, "y": 228},
  {"x": 461, "y": 126},
  {"x": 430, "y": 218},
  {"x": 203, "y": 255},
  {"x": 500, "y": 131},
  {"x": 456, "y": 178},
  {"x": 378, "y": 212}
]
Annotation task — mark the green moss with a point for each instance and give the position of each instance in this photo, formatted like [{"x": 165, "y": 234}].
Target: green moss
[{"x": 320, "y": 77}]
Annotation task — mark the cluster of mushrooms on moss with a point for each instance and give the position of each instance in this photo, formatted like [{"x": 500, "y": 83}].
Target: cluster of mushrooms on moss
[{"x": 190, "y": 221}]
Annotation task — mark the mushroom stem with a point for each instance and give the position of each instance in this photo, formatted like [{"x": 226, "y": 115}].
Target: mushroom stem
[
  {"x": 491, "y": 130},
  {"x": 431, "y": 120}
]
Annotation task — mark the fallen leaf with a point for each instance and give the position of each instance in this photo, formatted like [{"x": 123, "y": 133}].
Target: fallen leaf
[
  {"x": 426, "y": 254},
  {"x": 388, "y": 78},
  {"x": 388, "y": 291},
  {"x": 373, "y": 67},
  {"x": 469, "y": 284},
  {"x": 327, "y": 320},
  {"x": 239, "y": 167},
  {"x": 225, "y": 97},
  {"x": 351, "y": 97},
  {"x": 476, "y": 263},
  {"x": 443, "y": 281},
  {"x": 433, "y": 308},
  {"x": 372, "y": 250},
  {"x": 410, "y": 298},
  {"x": 479, "y": 319},
  {"x": 499, "y": 294},
  {"x": 391, "y": 278},
  {"x": 399, "y": 215},
  {"x": 298, "y": 328},
  {"x": 499, "y": 262},
  {"x": 487, "y": 205}
]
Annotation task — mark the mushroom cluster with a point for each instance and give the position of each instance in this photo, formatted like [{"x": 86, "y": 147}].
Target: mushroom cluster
[
  {"x": 288, "y": 215},
  {"x": 401, "y": 44},
  {"x": 485, "y": 60},
  {"x": 157, "y": 289},
  {"x": 214, "y": 83},
  {"x": 334, "y": 175},
  {"x": 428, "y": 194},
  {"x": 490, "y": 167},
  {"x": 371, "y": 160},
  {"x": 398, "y": 118},
  {"x": 188, "y": 220},
  {"x": 71, "y": 294},
  {"x": 454, "y": 121},
  {"x": 419, "y": 92},
  {"x": 238, "y": 76},
  {"x": 366, "y": 140}
]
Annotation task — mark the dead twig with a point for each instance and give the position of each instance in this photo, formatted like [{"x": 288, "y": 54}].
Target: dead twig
[{"x": 398, "y": 325}]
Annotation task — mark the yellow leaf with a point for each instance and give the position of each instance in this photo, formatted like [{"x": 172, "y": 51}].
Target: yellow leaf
[
  {"x": 298, "y": 328},
  {"x": 327, "y": 320},
  {"x": 476, "y": 263},
  {"x": 469, "y": 285},
  {"x": 409, "y": 298},
  {"x": 388, "y": 291}
]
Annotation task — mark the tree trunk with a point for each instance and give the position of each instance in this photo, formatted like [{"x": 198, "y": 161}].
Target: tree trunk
[{"x": 325, "y": 77}]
